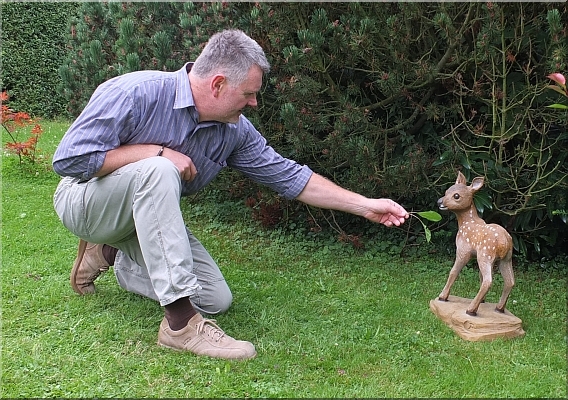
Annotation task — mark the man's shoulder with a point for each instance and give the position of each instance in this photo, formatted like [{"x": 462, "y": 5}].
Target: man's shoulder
[{"x": 135, "y": 79}]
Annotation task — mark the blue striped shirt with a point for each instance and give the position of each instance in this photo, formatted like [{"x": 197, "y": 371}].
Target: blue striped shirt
[{"x": 154, "y": 107}]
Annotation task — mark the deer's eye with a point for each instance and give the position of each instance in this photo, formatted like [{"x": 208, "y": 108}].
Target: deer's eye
[{"x": 456, "y": 196}]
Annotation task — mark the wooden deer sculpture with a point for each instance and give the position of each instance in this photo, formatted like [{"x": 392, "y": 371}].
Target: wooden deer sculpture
[{"x": 490, "y": 243}]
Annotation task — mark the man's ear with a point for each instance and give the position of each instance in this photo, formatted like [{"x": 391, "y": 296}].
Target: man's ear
[{"x": 217, "y": 82}]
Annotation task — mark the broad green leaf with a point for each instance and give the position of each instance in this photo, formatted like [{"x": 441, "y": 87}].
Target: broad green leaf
[
  {"x": 430, "y": 215},
  {"x": 483, "y": 201}
]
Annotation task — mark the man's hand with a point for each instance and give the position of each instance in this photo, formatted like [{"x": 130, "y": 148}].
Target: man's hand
[
  {"x": 183, "y": 163},
  {"x": 386, "y": 212}
]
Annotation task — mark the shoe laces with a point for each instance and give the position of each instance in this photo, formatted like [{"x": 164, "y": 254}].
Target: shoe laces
[{"x": 210, "y": 328}]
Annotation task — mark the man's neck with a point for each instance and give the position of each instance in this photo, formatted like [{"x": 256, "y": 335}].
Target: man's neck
[{"x": 197, "y": 89}]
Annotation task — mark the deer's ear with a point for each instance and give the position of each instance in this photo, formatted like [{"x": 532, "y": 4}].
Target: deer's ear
[
  {"x": 461, "y": 178},
  {"x": 477, "y": 183}
]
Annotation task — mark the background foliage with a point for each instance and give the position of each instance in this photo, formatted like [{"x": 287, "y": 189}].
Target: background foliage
[
  {"x": 387, "y": 99},
  {"x": 33, "y": 46}
]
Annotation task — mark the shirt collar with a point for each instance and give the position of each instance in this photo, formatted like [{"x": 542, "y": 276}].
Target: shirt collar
[{"x": 184, "y": 96}]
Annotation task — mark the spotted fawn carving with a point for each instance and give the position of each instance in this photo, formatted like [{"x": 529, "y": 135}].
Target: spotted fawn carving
[{"x": 490, "y": 243}]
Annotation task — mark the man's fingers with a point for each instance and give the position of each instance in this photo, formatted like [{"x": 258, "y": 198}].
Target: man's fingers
[{"x": 189, "y": 173}]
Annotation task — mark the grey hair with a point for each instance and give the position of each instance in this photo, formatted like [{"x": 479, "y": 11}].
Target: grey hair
[{"x": 232, "y": 53}]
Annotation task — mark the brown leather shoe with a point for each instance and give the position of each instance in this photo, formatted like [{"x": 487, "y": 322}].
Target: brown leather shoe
[
  {"x": 89, "y": 264},
  {"x": 203, "y": 337}
]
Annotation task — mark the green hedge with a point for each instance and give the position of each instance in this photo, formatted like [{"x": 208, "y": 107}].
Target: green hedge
[{"x": 33, "y": 47}]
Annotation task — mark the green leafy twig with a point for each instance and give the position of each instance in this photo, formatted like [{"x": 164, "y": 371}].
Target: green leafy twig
[{"x": 430, "y": 216}]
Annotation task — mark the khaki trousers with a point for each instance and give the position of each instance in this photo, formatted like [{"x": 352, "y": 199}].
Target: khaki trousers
[{"x": 136, "y": 209}]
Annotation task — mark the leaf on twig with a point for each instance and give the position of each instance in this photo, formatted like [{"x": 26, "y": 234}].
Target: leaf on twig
[
  {"x": 430, "y": 216},
  {"x": 558, "y": 106},
  {"x": 557, "y": 89},
  {"x": 428, "y": 234}
]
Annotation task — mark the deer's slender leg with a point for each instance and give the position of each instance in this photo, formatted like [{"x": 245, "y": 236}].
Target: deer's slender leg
[
  {"x": 506, "y": 269},
  {"x": 454, "y": 272},
  {"x": 480, "y": 283},
  {"x": 485, "y": 270}
]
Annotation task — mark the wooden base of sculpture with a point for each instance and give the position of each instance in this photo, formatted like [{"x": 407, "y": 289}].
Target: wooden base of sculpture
[{"x": 487, "y": 325}]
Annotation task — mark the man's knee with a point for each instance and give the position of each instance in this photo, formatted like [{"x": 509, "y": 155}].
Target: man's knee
[
  {"x": 215, "y": 300},
  {"x": 160, "y": 167},
  {"x": 223, "y": 302}
]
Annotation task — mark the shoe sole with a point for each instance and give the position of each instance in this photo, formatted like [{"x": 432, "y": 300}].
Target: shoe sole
[
  {"x": 75, "y": 269},
  {"x": 204, "y": 355}
]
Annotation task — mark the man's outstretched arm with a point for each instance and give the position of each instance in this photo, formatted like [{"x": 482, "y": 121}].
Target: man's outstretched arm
[{"x": 321, "y": 192}]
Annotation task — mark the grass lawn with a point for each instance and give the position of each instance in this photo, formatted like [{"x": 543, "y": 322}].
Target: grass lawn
[{"x": 327, "y": 321}]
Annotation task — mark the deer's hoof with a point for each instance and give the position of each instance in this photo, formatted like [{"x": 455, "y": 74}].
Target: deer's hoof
[
  {"x": 472, "y": 313},
  {"x": 501, "y": 310},
  {"x": 442, "y": 299}
]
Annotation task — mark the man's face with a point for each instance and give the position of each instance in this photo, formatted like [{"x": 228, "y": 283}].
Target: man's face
[{"x": 233, "y": 99}]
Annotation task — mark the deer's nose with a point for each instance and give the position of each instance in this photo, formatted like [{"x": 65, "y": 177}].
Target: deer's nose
[{"x": 441, "y": 205}]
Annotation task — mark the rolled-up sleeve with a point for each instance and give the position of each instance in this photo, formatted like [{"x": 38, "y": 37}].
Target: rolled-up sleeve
[
  {"x": 81, "y": 152},
  {"x": 260, "y": 162}
]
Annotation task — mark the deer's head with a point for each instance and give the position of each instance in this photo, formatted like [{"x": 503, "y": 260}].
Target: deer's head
[{"x": 460, "y": 196}]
